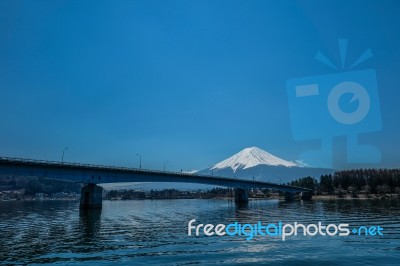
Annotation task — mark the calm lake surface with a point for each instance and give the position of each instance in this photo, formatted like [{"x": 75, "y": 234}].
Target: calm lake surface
[{"x": 154, "y": 232}]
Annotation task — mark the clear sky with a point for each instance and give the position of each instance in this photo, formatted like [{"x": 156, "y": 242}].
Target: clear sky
[{"x": 189, "y": 82}]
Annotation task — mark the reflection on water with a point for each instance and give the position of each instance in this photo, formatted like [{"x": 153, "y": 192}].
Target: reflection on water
[
  {"x": 90, "y": 223},
  {"x": 155, "y": 232}
]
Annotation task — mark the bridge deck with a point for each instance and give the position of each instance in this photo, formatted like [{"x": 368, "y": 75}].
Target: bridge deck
[{"x": 90, "y": 173}]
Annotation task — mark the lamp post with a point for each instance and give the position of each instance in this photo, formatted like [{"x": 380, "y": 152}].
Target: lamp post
[
  {"x": 62, "y": 157},
  {"x": 165, "y": 164},
  {"x": 140, "y": 160}
]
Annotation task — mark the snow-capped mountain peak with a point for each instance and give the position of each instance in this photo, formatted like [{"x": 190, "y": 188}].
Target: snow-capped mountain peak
[{"x": 251, "y": 157}]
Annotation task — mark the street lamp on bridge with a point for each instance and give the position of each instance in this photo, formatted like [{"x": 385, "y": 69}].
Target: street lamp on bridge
[
  {"x": 165, "y": 164},
  {"x": 62, "y": 157},
  {"x": 140, "y": 160}
]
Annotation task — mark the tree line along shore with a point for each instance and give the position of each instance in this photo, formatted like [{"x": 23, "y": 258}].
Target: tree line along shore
[{"x": 357, "y": 183}]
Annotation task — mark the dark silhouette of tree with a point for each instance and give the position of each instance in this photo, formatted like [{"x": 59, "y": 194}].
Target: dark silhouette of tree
[{"x": 368, "y": 180}]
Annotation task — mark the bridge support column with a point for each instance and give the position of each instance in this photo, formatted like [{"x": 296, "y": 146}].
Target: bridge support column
[
  {"x": 289, "y": 196},
  {"x": 306, "y": 195},
  {"x": 91, "y": 197},
  {"x": 241, "y": 196}
]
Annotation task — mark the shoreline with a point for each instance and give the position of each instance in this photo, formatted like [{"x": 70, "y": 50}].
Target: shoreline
[
  {"x": 315, "y": 197},
  {"x": 358, "y": 197}
]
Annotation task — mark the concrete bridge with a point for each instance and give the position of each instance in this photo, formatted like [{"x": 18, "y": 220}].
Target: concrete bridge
[{"x": 91, "y": 175}]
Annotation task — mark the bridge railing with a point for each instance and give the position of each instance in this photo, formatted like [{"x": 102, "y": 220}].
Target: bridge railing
[
  {"x": 98, "y": 166},
  {"x": 122, "y": 168},
  {"x": 86, "y": 165}
]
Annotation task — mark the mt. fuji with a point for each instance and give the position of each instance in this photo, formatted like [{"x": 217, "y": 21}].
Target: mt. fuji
[
  {"x": 255, "y": 163},
  {"x": 251, "y": 157}
]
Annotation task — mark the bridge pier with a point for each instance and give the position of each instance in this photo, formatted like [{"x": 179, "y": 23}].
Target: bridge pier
[
  {"x": 91, "y": 196},
  {"x": 289, "y": 196},
  {"x": 306, "y": 195},
  {"x": 241, "y": 196}
]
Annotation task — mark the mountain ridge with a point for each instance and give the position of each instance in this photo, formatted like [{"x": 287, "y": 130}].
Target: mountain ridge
[
  {"x": 256, "y": 164},
  {"x": 250, "y": 157}
]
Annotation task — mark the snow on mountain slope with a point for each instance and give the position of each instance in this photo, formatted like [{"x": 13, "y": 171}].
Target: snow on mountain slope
[{"x": 251, "y": 157}]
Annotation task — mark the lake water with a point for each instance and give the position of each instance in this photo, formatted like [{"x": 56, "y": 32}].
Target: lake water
[{"x": 154, "y": 232}]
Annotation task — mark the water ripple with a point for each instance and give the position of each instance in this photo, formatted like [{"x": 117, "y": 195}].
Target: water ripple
[{"x": 147, "y": 232}]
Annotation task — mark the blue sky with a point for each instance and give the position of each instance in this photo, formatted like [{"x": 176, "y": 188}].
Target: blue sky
[{"x": 191, "y": 82}]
